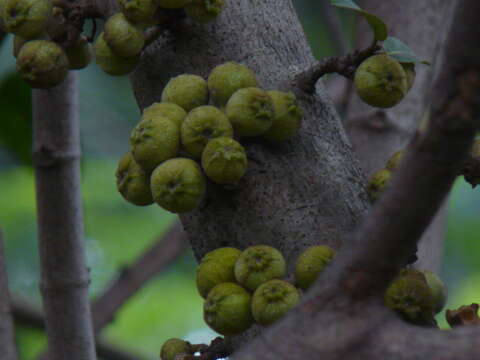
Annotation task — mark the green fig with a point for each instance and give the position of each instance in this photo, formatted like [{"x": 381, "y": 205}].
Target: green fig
[
  {"x": 133, "y": 182},
  {"x": 187, "y": 91},
  {"x": 287, "y": 119},
  {"x": 311, "y": 263}
]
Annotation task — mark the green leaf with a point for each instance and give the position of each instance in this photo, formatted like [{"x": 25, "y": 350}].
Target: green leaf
[
  {"x": 400, "y": 51},
  {"x": 378, "y": 26}
]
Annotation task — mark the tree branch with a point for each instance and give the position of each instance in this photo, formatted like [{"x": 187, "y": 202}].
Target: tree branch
[{"x": 64, "y": 275}]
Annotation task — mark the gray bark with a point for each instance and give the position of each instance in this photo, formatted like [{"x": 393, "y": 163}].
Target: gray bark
[{"x": 64, "y": 275}]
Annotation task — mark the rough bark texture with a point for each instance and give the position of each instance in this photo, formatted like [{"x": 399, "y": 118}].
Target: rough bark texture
[
  {"x": 64, "y": 275},
  {"x": 7, "y": 337},
  {"x": 375, "y": 133}
]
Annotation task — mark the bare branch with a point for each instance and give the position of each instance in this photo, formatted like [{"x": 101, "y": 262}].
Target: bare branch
[
  {"x": 64, "y": 275},
  {"x": 334, "y": 27},
  {"x": 163, "y": 252}
]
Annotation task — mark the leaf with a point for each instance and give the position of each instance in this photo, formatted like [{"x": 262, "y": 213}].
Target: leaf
[{"x": 378, "y": 26}]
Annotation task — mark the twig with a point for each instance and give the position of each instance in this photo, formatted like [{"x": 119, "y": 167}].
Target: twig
[
  {"x": 7, "y": 342},
  {"x": 64, "y": 275},
  {"x": 217, "y": 349},
  {"x": 342, "y": 65},
  {"x": 334, "y": 27}
]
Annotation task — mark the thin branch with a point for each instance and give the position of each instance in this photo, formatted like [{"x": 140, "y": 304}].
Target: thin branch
[
  {"x": 218, "y": 349},
  {"x": 334, "y": 27},
  {"x": 7, "y": 333},
  {"x": 154, "y": 260},
  {"x": 342, "y": 65},
  {"x": 26, "y": 314},
  {"x": 64, "y": 275}
]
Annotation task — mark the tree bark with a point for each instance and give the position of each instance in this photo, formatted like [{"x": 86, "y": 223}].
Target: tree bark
[{"x": 64, "y": 275}]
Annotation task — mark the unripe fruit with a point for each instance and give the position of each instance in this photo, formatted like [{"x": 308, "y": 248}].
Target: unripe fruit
[
  {"x": 250, "y": 110},
  {"x": 173, "y": 347},
  {"x": 79, "y": 54},
  {"x": 378, "y": 183},
  {"x": 380, "y": 81},
  {"x": 173, "y": 4},
  {"x": 311, "y": 263},
  {"x": 204, "y": 11},
  {"x": 439, "y": 290},
  {"x": 187, "y": 91},
  {"x": 154, "y": 140},
  {"x": 216, "y": 267},
  {"x": 133, "y": 182},
  {"x": 169, "y": 110},
  {"x": 412, "y": 298},
  {"x": 410, "y": 72},
  {"x": 178, "y": 185},
  {"x": 111, "y": 63},
  {"x": 227, "y": 78},
  {"x": 124, "y": 39},
  {"x": 139, "y": 11},
  {"x": 259, "y": 264},
  {"x": 227, "y": 309},
  {"x": 394, "y": 160},
  {"x": 42, "y": 64},
  {"x": 201, "y": 125},
  {"x": 18, "y": 42},
  {"x": 26, "y": 18},
  {"x": 224, "y": 160},
  {"x": 287, "y": 119},
  {"x": 272, "y": 300}
]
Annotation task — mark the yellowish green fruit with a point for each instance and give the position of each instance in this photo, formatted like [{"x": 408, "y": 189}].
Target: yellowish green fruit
[
  {"x": 133, "y": 182},
  {"x": 201, "y": 125},
  {"x": 124, "y": 39},
  {"x": 410, "y": 72},
  {"x": 272, "y": 300},
  {"x": 173, "y": 347},
  {"x": 227, "y": 309},
  {"x": 287, "y": 119},
  {"x": 42, "y": 64},
  {"x": 79, "y": 54},
  {"x": 204, "y": 11},
  {"x": 439, "y": 290},
  {"x": 178, "y": 185},
  {"x": 154, "y": 140},
  {"x": 224, "y": 160},
  {"x": 187, "y": 91},
  {"x": 169, "y": 110},
  {"x": 378, "y": 183},
  {"x": 216, "y": 267},
  {"x": 141, "y": 12},
  {"x": 394, "y": 160},
  {"x": 311, "y": 263},
  {"x": 109, "y": 62},
  {"x": 173, "y": 4},
  {"x": 250, "y": 110},
  {"x": 227, "y": 78},
  {"x": 26, "y": 18},
  {"x": 259, "y": 264},
  {"x": 380, "y": 81}
]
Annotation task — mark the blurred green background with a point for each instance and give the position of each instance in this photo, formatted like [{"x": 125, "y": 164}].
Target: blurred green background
[{"x": 117, "y": 232}]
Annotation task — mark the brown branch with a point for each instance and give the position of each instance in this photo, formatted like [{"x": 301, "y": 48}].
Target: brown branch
[
  {"x": 333, "y": 25},
  {"x": 162, "y": 253},
  {"x": 217, "y": 349},
  {"x": 64, "y": 275},
  {"x": 342, "y": 65},
  {"x": 26, "y": 314},
  {"x": 7, "y": 337}
]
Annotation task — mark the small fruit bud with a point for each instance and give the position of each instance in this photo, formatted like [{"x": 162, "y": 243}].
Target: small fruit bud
[
  {"x": 154, "y": 140},
  {"x": 187, "y": 91},
  {"x": 410, "y": 72},
  {"x": 227, "y": 78},
  {"x": 272, "y": 300},
  {"x": 224, "y": 160},
  {"x": 216, "y": 267},
  {"x": 204, "y": 11},
  {"x": 394, "y": 160},
  {"x": 173, "y": 4},
  {"x": 287, "y": 119},
  {"x": 109, "y": 62},
  {"x": 380, "y": 81},
  {"x": 178, "y": 185},
  {"x": 250, "y": 111},
  {"x": 201, "y": 125},
  {"x": 173, "y": 347},
  {"x": 42, "y": 64},
  {"x": 311, "y": 263},
  {"x": 125, "y": 40},
  {"x": 439, "y": 290},
  {"x": 133, "y": 182},
  {"x": 169, "y": 110},
  {"x": 378, "y": 183},
  {"x": 26, "y": 18},
  {"x": 227, "y": 309},
  {"x": 79, "y": 54},
  {"x": 140, "y": 12},
  {"x": 259, "y": 264}
]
